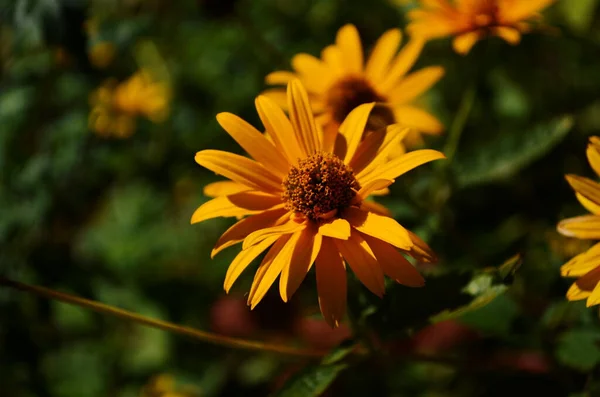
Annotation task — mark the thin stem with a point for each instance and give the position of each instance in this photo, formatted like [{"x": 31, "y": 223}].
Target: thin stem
[
  {"x": 459, "y": 122},
  {"x": 163, "y": 325}
]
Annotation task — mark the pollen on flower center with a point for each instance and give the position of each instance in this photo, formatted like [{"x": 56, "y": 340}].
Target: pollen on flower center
[
  {"x": 351, "y": 92},
  {"x": 319, "y": 186}
]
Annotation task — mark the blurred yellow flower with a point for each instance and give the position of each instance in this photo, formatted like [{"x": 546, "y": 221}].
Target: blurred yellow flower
[
  {"x": 305, "y": 195},
  {"x": 164, "y": 385},
  {"x": 115, "y": 106},
  {"x": 472, "y": 20},
  {"x": 341, "y": 80},
  {"x": 101, "y": 54},
  {"x": 585, "y": 266}
]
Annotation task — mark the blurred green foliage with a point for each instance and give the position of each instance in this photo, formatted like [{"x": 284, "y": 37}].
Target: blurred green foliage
[{"x": 108, "y": 218}]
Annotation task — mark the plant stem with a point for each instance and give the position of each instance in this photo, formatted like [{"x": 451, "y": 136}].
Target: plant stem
[
  {"x": 163, "y": 325},
  {"x": 458, "y": 124}
]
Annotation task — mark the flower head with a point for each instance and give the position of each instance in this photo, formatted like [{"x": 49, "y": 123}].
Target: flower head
[
  {"x": 303, "y": 199},
  {"x": 585, "y": 266},
  {"x": 341, "y": 80},
  {"x": 472, "y": 20}
]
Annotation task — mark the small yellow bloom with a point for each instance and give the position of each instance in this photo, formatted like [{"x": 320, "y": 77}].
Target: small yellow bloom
[
  {"x": 472, "y": 20},
  {"x": 585, "y": 266},
  {"x": 303, "y": 199},
  {"x": 102, "y": 53},
  {"x": 164, "y": 385},
  {"x": 341, "y": 80}
]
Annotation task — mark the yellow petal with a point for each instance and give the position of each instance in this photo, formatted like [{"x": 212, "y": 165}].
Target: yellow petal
[
  {"x": 336, "y": 228},
  {"x": 376, "y": 147},
  {"x": 419, "y": 119},
  {"x": 223, "y": 188},
  {"x": 302, "y": 118},
  {"x": 239, "y": 231},
  {"x": 582, "y": 263},
  {"x": 259, "y": 235},
  {"x": 382, "y": 54},
  {"x": 363, "y": 263},
  {"x": 588, "y": 204},
  {"x": 254, "y": 143},
  {"x": 348, "y": 41},
  {"x": 575, "y": 293},
  {"x": 331, "y": 283},
  {"x": 586, "y": 187},
  {"x": 237, "y": 204},
  {"x": 372, "y": 186},
  {"x": 279, "y": 128},
  {"x": 372, "y": 206},
  {"x": 462, "y": 44},
  {"x": 381, "y": 227},
  {"x": 277, "y": 96},
  {"x": 420, "y": 250},
  {"x": 394, "y": 264},
  {"x": 400, "y": 165},
  {"x": 523, "y": 9},
  {"x": 239, "y": 169},
  {"x": 303, "y": 256},
  {"x": 271, "y": 267},
  {"x": 353, "y": 127},
  {"x": 332, "y": 56},
  {"x": 510, "y": 35},
  {"x": 589, "y": 280},
  {"x": 279, "y": 78},
  {"x": 415, "y": 84},
  {"x": 583, "y": 227},
  {"x": 593, "y": 155},
  {"x": 243, "y": 259},
  {"x": 401, "y": 65},
  {"x": 314, "y": 74},
  {"x": 594, "y": 298}
]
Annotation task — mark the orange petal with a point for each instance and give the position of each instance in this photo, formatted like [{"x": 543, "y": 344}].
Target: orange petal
[
  {"x": 315, "y": 75},
  {"x": 372, "y": 206},
  {"x": 237, "y": 204},
  {"x": 376, "y": 147},
  {"x": 593, "y": 154},
  {"x": 588, "y": 281},
  {"x": 584, "y": 227},
  {"x": 394, "y": 264},
  {"x": 304, "y": 255},
  {"x": 243, "y": 259},
  {"x": 381, "y": 227},
  {"x": 400, "y": 165},
  {"x": 302, "y": 118},
  {"x": 279, "y": 78},
  {"x": 254, "y": 143},
  {"x": 415, "y": 84},
  {"x": 510, "y": 35},
  {"x": 332, "y": 56},
  {"x": 586, "y": 187},
  {"x": 336, "y": 228},
  {"x": 401, "y": 65},
  {"x": 519, "y": 10},
  {"x": 277, "y": 96},
  {"x": 259, "y": 235},
  {"x": 462, "y": 44},
  {"x": 420, "y": 250},
  {"x": 582, "y": 263},
  {"x": 372, "y": 186},
  {"x": 594, "y": 298},
  {"x": 363, "y": 263},
  {"x": 353, "y": 127},
  {"x": 239, "y": 169},
  {"x": 575, "y": 293},
  {"x": 382, "y": 54},
  {"x": 243, "y": 228},
  {"x": 348, "y": 41},
  {"x": 331, "y": 283},
  {"x": 419, "y": 119},
  {"x": 223, "y": 188}
]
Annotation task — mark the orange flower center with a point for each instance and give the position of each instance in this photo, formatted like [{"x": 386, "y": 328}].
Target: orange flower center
[
  {"x": 351, "y": 92},
  {"x": 319, "y": 186}
]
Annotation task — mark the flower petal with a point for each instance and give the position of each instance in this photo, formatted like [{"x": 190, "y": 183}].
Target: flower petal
[
  {"x": 237, "y": 204},
  {"x": 510, "y": 35},
  {"x": 519, "y": 10},
  {"x": 276, "y": 259},
  {"x": 401, "y": 65},
  {"x": 280, "y": 77},
  {"x": 462, "y": 44},
  {"x": 315, "y": 75},
  {"x": 363, "y": 263},
  {"x": 277, "y": 95},
  {"x": 376, "y": 147},
  {"x": 239, "y": 169},
  {"x": 259, "y": 235},
  {"x": 588, "y": 204},
  {"x": 302, "y": 118},
  {"x": 240, "y": 230},
  {"x": 332, "y": 56},
  {"x": 593, "y": 154},
  {"x": 372, "y": 206},
  {"x": 594, "y": 298},
  {"x": 419, "y": 119},
  {"x": 336, "y": 228},
  {"x": 586, "y": 187},
  {"x": 223, "y": 188},
  {"x": 575, "y": 293},
  {"x": 583, "y": 227},
  {"x": 372, "y": 186},
  {"x": 331, "y": 283},
  {"x": 400, "y": 165},
  {"x": 415, "y": 84},
  {"x": 254, "y": 143},
  {"x": 582, "y": 263},
  {"x": 589, "y": 280},
  {"x": 243, "y": 259},
  {"x": 353, "y": 127},
  {"x": 279, "y": 128},
  {"x": 381, "y": 227},
  {"x": 420, "y": 250},
  {"x": 382, "y": 54},
  {"x": 348, "y": 41},
  {"x": 394, "y": 264},
  {"x": 303, "y": 257}
]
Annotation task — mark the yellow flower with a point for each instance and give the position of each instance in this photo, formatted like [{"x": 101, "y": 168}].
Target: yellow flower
[
  {"x": 305, "y": 197},
  {"x": 585, "y": 266},
  {"x": 102, "y": 53},
  {"x": 472, "y": 20},
  {"x": 341, "y": 80}
]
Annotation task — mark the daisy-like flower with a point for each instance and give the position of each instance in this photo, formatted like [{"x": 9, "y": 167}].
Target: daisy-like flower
[
  {"x": 305, "y": 202},
  {"x": 341, "y": 80},
  {"x": 472, "y": 20},
  {"x": 585, "y": 266}
]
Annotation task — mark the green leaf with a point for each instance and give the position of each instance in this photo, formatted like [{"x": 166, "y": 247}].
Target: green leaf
[
  {"x": 506, "y": 154},
  {"x": 313, "y": 380},
  {"x": 579, "y": 14},
  {"x": 578, "y": 349}
]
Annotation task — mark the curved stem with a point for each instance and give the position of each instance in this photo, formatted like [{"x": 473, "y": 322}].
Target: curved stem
[
  {"x": 163, "y": 325},
  {"x": 458, "y": 124}
]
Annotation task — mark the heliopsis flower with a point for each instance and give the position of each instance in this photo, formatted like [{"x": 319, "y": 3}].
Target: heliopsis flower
[
  {"x": 115, "y": 106},
  {"x": 303, "y": 200},
  {"x": 472, "y": 20},
  {"x": 585, "y": 266},
  {"x": 341, "y": 80}
]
